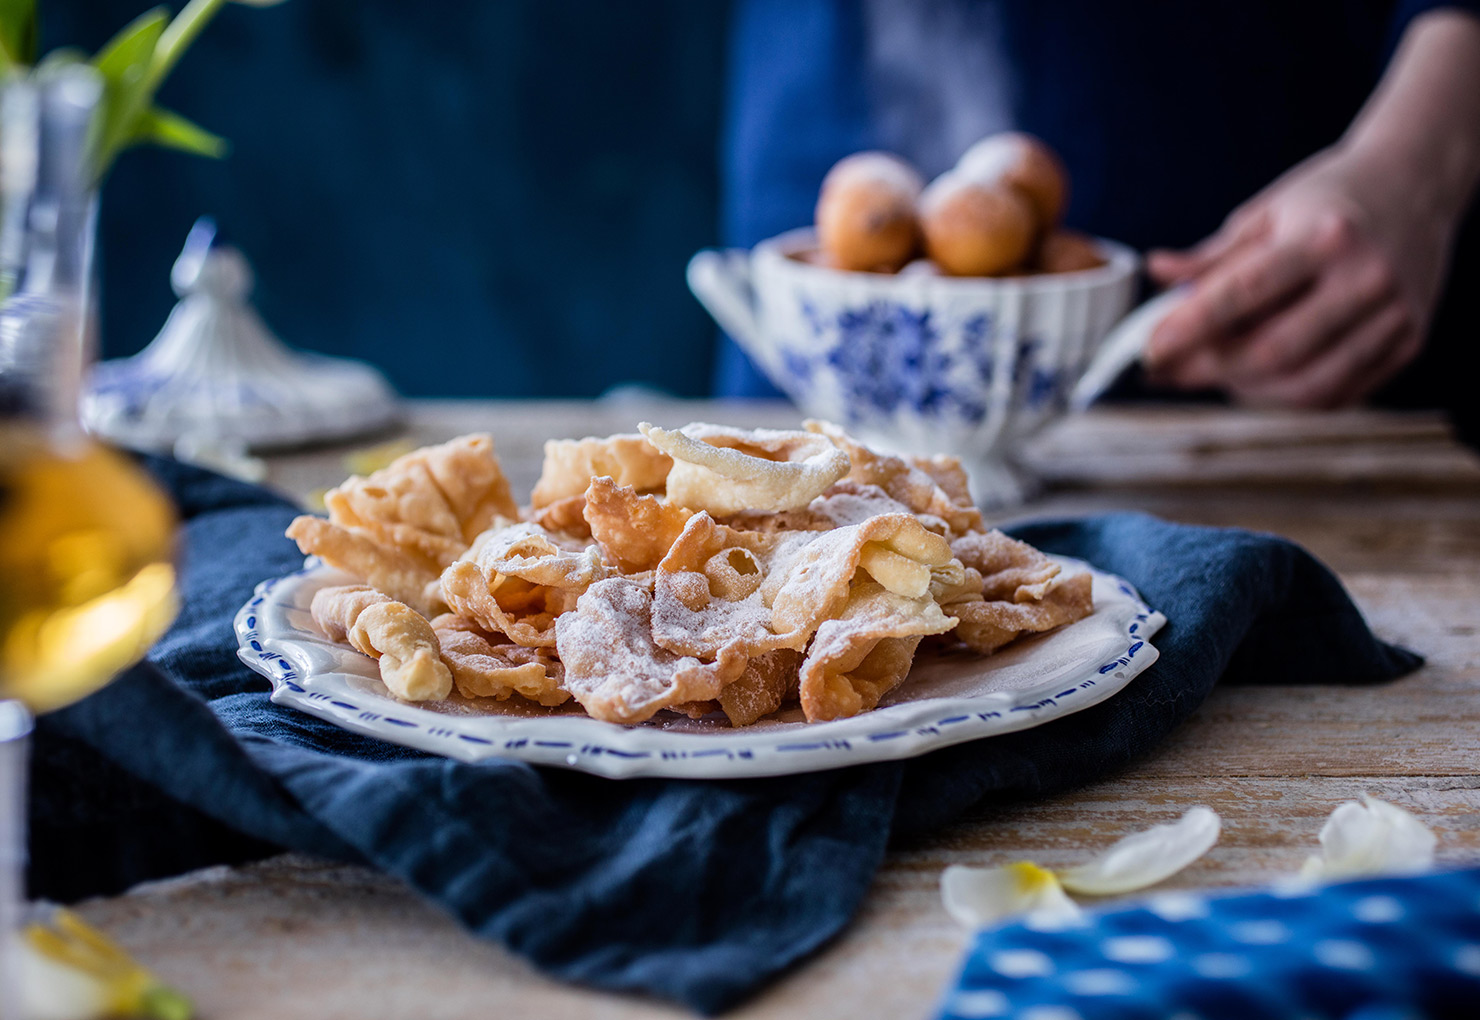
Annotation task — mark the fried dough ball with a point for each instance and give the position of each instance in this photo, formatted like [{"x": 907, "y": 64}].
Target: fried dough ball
[
  {"x": 1023, "y": 162},
  {"x": 975, "y": 229},
  {"x": 866, "y": 216},
  {"x": 1066, "y": 251}
]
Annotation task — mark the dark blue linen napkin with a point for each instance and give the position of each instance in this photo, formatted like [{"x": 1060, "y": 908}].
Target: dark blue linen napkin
[
  {"x": 1380, "y": 949},
  {"x": 696, "y": 891}
]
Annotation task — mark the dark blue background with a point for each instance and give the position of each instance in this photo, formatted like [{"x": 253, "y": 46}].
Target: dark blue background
[
  {"x": 499, "y": 198},
  {"x": 483, "y": 198}
]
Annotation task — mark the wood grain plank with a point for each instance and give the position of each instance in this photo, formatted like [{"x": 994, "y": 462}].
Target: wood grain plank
[
  {"x": 292, "y": 937},
  {"x": 1387, "y": 499},
  {"x": 1106, "y": 448},
  {"x": 1200, "y": 446}
]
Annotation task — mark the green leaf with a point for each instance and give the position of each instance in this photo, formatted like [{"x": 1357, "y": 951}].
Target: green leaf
[
  {"x": 133, "y": 45},
  {"x": 17, "y": 33},
  {"x": 169, "y": 129},
  {"x": 128, "y": 91}
]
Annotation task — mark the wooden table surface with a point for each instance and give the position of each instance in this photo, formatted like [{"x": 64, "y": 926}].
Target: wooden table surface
[{"x": 1389, "y": 501}]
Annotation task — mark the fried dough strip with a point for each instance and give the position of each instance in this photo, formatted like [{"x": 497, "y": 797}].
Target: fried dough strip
[
  {"x": 845, "y": 502},
  {"x": 726, "y": 471},
  {"x": 932, "y": 487},
  {"x": 385, "y": 568},
  {"x": 986, "y": 626},
  {"x": 517, "y": 579},
  {"x": 707, "y": 591},
  {"x": 567, "y": 516},
  {"x": 765, "y": 685},
  {"x": 570, "y": 464},
  {"x": 392, "y": 632},
  {"x": 1011, "y": 570},
  {"x": 470, "y": 594},
  {"x": 635, "y": 532},
  {"x": 468, "y": 473},
  {"x": 612, "y": 666},
  {"x": 431, "y": 502},
  {"x": 527, "y": 551},
  {"x": 866, "y": 651},
  {"x": 813, "y": 585},
  {"x": 483, "y": 667}
]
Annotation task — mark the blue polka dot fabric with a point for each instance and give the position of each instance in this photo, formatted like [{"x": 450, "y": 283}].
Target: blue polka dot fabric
[{"x": 1380, "y": 949}]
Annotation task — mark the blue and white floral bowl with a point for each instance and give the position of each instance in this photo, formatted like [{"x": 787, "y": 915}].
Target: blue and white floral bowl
[{"x": 919, "y": 362}]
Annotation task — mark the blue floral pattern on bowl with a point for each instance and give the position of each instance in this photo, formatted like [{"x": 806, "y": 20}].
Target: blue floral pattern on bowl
[{"x": 916, "y": 361}]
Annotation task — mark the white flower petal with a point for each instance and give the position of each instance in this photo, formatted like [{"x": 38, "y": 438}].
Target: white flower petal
[
  {"x": 1145, "y": 858},
  {"x": 977, "y": 897},
  {"x": 51, "y": 990},
  {"x": 1370, "y": 838}
]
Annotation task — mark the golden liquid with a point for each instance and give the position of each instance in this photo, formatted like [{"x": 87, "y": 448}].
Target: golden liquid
[{"x": 86, "y": 578}]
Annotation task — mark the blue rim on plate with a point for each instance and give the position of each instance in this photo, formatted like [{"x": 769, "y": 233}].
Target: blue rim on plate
[{"x": 947, "y": 700}]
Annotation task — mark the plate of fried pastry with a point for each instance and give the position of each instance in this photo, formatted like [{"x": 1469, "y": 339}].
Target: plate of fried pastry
[{"x": 699, "y": 602}]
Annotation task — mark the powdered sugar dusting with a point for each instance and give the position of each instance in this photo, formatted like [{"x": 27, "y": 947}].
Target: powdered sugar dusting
[
  {"x": 991, "y": 159},
  {"x": 613, "y": 667},
  {"x": 875, "y": 168}
]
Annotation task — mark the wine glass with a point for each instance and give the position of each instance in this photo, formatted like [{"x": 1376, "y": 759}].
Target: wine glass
[{"x": 87, "y": 579}]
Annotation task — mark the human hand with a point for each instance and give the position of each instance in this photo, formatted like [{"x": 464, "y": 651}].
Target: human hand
[{"x": 1314, "y": 292}]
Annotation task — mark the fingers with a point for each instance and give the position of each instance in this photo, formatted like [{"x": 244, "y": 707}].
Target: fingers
[
  {"x": 1229, "y": 298},
  {"x": 1294, "y": 338},
  {"x": 1357, "y": 363},
  {"x": 1169, "y": 268},
  {"x": 1172, "y": 267}
]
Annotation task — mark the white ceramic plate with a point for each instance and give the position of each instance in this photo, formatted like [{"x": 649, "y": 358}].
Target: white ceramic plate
[{"x": 946, "y": 700}]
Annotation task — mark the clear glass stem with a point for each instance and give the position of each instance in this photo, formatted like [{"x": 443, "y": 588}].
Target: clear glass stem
[{"x": 15, "y": 732}]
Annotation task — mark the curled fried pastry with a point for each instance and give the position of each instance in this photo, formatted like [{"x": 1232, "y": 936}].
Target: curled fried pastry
[
  {"x": 517, "y": 579},
  {"x": 484, "y": 667},
  {"x": 635, "y": 532},
  {"x": 384, "y": 567},
  {"x": 768, "y": 682},
  {"x": 398, "y": 528},
  {"x": 392, "y": 632},
  {"x": 948, "y": 475},
  {"x": 570, "y": 464},
  {"x": 529, "y": 622},
  {"x": 720, "y": 589},
  {"x": 530, "y": 553},
  {"x": 845, "y": 502},
  {"x": 726, "y": 471},
  {"x": 431, "y": 502},
  {"x": 813, "y": 585},
  {"x": 932, "y": 487},
  {"x": 765, "y": 685},
  {"x": 1010, "y": 569},
  {"x": 567, "y": 516},
  {"x": 405, "y": 511},
  {"x": 612, "y": 666},
  {"x": 707, "y": 591},
  {"x": 468, "y": 473},
  {"x": 866, "y": 651},
  {"x": 986, "y": 626}
]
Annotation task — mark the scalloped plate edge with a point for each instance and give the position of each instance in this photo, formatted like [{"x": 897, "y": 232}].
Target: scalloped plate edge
[{"x": 905, "y": 730}]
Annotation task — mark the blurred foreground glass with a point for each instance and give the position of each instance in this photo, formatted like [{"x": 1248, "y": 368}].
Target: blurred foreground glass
[{"x": 87, "y": 581}]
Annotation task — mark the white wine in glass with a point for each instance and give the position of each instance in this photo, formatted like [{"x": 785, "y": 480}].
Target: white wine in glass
[
  {"x": 86, "y": 553},
  {"x": 87, "y": 579}
]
